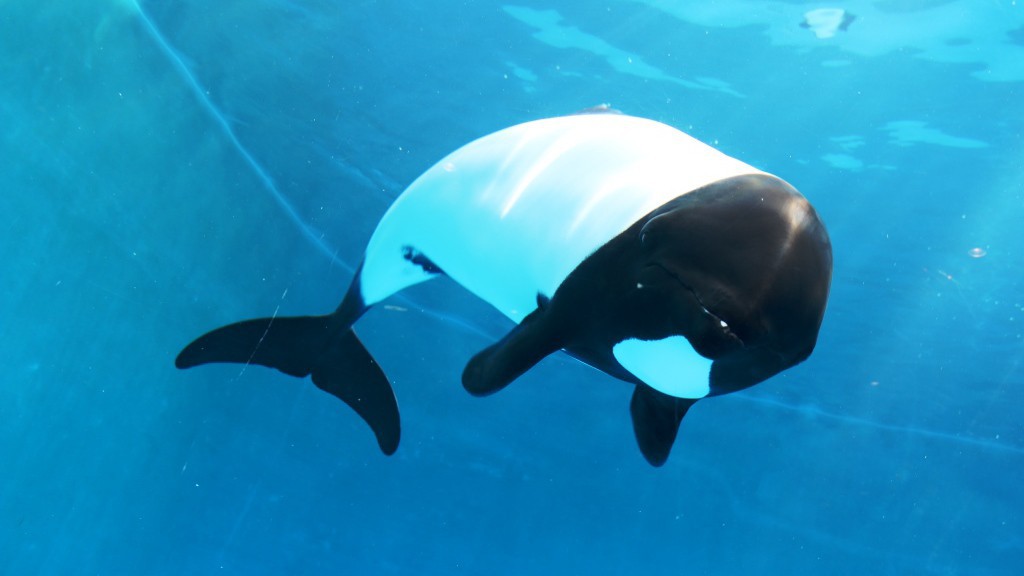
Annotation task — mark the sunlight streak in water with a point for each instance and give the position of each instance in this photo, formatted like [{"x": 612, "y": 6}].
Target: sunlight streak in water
[
  {"x": 204, "y": 100},
  {"x": 814, "y": 411}
]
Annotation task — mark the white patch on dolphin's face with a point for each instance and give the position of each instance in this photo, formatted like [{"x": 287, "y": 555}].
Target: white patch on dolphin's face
[{"x": 669, "y": 365}]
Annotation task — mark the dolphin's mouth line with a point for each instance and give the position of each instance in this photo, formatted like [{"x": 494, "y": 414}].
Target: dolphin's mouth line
[{"x": 723, "y": 325}]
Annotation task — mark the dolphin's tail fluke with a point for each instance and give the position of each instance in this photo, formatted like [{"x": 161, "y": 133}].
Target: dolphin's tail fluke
[{"x": 308, "y": 345}]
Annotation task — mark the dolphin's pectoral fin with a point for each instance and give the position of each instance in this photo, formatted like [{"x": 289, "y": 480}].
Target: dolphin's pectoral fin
[
  {"x": 497, "y": 366},
  {"x": 308, "y": 345},
  {"x": 656, "y": 418}
]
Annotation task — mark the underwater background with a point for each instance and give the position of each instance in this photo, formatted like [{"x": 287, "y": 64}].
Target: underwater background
[{"x": 167, "y": 167}]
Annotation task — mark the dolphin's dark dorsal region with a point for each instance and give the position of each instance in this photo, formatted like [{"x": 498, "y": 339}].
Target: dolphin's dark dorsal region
[{"x": 620, "y": 241}]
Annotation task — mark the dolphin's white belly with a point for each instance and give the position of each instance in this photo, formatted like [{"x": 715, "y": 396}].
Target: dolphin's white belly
[{"x": 510, "y": 215}]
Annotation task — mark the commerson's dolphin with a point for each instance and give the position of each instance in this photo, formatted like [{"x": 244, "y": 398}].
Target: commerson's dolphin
[{"x": 621, "y": 241}]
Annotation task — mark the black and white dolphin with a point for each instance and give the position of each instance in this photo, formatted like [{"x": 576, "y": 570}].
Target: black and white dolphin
[{"x": 622, "y": 241}]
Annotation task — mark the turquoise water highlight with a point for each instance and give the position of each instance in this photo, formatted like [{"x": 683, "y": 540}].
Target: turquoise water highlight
[{"x": 169, "y": 167}]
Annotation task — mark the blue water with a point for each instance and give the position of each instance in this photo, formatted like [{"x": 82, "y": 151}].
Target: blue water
[{"x": 168, "y": 167}]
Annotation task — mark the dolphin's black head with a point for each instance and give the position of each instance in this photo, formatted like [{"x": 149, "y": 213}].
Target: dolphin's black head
[{"x": 753, "y": 263}]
